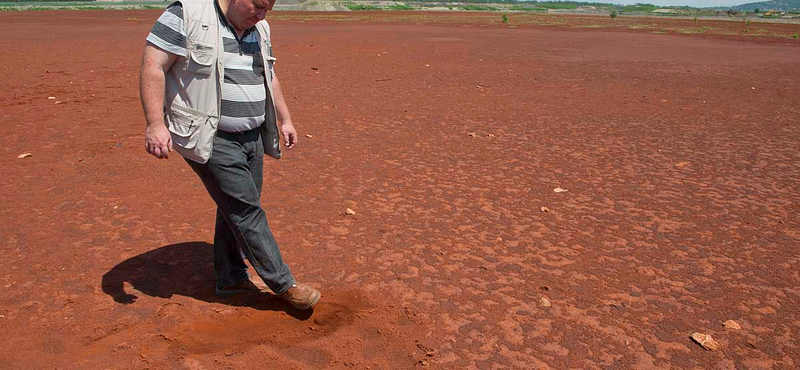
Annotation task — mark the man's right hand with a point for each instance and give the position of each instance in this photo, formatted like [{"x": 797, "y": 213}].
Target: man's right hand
[
  {"x": 157, "y": 141},
  {"x": 155, "y": 64}
]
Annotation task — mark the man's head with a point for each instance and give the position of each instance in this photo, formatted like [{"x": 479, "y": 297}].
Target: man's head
[{"x": 243, "y": 14}]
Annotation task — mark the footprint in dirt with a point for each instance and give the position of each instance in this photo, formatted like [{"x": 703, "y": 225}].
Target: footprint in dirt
[{"x": 248, "y": 327}]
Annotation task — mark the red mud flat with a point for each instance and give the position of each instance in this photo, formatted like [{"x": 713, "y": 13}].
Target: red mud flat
[{"x": 679, "y": 154}]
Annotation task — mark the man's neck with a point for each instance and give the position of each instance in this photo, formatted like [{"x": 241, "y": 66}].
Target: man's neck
[{"x": 224, "y": 6}]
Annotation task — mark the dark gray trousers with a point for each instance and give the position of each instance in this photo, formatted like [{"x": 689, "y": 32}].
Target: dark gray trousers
[{"x": 233, "y": 178}]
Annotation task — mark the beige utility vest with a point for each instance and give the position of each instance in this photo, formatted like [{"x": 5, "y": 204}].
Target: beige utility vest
[{"x": 192, "y": 97}]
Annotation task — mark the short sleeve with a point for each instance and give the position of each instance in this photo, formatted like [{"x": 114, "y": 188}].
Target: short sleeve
[{"x": 168, "y": 33}]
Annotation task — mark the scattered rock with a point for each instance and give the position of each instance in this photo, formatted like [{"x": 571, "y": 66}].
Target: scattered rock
[
  {"x": 545, "y": 302},
  {"x": 308, "y": 135},
  {"x": 730, "y": 324},
  {"x": 559, "y": 190},
  {"x": 544, "y": 209},
  {"x": 350, "y": 211},
  {"x": 25, "y": 155},
  {"x": 489, "y": 135},
  {"x": 681, "y": 164},
  {"x": 59, "y": 101},
  {"x": 706, "y": 341},
  {"x": 51, "y": 98},
  {"x": 473, "y": 134},
  {"x": 544, "y": 287}
]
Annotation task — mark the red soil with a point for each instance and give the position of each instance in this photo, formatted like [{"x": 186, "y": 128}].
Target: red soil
[{"x": 680, "y": 155}]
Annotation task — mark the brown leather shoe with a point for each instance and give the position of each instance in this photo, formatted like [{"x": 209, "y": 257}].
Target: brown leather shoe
[
  {"x": 301, "y": 296},
  {"x": 242, "y": 286}
]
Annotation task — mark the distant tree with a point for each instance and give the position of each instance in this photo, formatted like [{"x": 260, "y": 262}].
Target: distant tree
[{"x": 758, "y": 10}]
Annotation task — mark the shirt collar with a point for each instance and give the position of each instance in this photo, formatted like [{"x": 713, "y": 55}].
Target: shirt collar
[{"x": 230, "y": 27}]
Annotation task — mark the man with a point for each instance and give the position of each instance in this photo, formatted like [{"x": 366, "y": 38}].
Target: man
[{"x": 209, "y": 92}]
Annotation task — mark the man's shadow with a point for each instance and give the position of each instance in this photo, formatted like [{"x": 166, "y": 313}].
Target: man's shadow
[{"x": 185, "y": 269}]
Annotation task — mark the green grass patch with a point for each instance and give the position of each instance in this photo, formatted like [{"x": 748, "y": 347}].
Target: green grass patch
[
  {"x": 358, "y": 6},
  {"x": 400, "y": 7},
  {"x": 79, "y": 5},
  {"x": 639, "y": 8},
  {"x": 523, "y": 8},
  {"x": 478, "y": 7},
  {"x": 556, "y": 5}
]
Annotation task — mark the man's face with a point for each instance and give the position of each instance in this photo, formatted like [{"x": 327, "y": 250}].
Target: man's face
[{"x": 244, "y": 14}]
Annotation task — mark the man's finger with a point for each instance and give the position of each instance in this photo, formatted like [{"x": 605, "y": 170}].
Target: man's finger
[{"x": 169, "y": 142}]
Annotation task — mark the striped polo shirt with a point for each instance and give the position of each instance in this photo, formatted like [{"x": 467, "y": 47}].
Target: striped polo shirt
[{"x": 243, "y": 91}]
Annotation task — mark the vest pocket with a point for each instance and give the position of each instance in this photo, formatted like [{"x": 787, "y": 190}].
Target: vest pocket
[
  {"x": 201, "y": 59},
  {"x": 185, "y": 125}
]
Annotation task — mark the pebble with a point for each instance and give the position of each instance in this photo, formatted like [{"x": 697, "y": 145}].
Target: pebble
[
  {"x": 706, "y": 341},
  {"x": 730, "y": 324}
]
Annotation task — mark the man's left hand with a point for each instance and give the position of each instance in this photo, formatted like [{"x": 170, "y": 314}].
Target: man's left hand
[{"x": 289, "y": 134}]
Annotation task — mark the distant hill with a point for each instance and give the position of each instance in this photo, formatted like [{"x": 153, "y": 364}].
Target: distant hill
[{"x": 782, "y": 5}]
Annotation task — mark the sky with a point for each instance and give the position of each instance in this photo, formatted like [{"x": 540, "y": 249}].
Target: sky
[{"x": 694, "y": 3}]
